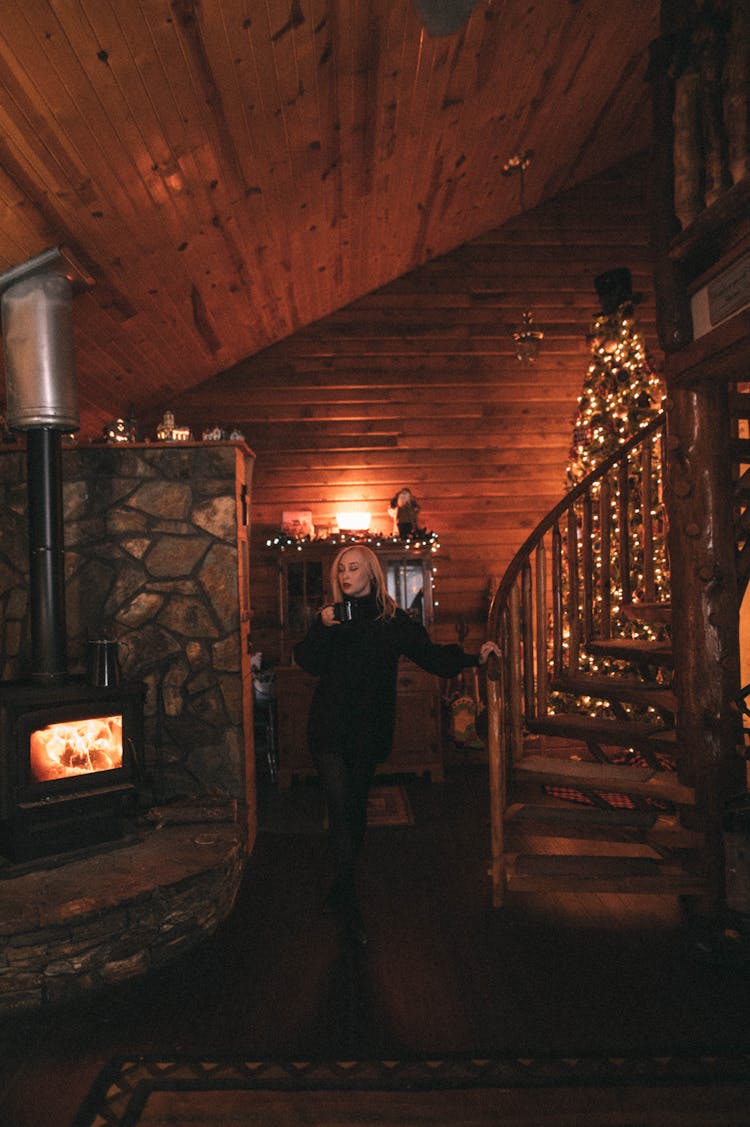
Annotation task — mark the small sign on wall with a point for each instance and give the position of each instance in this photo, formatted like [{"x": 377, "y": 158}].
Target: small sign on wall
[{"x": 726, "y": 294}]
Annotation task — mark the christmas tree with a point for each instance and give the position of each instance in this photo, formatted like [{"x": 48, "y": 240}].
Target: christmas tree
[{"x": 621, "y": 391}]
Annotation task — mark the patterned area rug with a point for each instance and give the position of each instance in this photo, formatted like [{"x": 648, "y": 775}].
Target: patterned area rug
[
  {"x": 389, "y": 806},
  {"x": 506, "y": 1092}
]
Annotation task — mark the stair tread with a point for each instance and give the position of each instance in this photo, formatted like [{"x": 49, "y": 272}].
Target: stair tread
[
  {"x": 573, "y": 872},
  {"x": 633, "y": 649},
  {"x": 580, "y": 815},
  {"x": 647, "y": 612},
  {"x": 605, "y": 776},
  {"x": 615, "y": 733},
  {"x": 616, "y": 688}
]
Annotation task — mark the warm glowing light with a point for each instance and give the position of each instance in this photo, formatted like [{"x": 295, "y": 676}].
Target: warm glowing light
[
  {"x": 77, "y": 747},
  {"x": 355, "y": 521}
]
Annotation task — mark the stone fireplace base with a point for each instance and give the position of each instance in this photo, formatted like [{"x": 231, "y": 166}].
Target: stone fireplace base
[{"x": 76, "y": 927}]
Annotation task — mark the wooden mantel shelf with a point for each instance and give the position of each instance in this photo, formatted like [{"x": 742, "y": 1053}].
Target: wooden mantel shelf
[{"x": 723, "y": 354}]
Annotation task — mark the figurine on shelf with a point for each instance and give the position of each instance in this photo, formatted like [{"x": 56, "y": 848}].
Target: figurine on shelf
[
  {"x": 165, "y": 429},
  {"x": 214, "y": 434},
  {"x": 117, "y": 431},
  {"x": 404, "y": 510},
  {"x": 168, "y": 432}
]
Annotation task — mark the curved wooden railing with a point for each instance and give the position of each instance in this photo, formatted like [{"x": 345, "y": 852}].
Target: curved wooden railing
[{"x": 543, "y": 617}]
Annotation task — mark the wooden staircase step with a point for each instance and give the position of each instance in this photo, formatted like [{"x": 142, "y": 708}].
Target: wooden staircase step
[
  {"x": 606, "y": 733},
  {"x": 606, "y": 777},
  {"x": 741, "y": 487},
  {"x": 637, "y": 650},
  {"x": 739, "y": 404},
  {"x": 559, "y": 819},
  {"x": 656, "y": 614},
  {"x": 740, "y": 449},
  {"x": 527, "y": 872},
  {"x": 628, "y": 689}
]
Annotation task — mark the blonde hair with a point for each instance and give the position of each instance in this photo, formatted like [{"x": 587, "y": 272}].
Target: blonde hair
[{"x": 386, "y": 605}]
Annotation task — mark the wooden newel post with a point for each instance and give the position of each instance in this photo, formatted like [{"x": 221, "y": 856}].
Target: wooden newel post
[{"x": 704, "y": 607}]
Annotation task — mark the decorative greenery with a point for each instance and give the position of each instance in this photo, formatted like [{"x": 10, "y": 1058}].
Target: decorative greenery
[{"x": 423, "y": 539}]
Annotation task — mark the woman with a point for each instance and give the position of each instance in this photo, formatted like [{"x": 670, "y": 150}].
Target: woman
[{"x": 354, "y": 646}]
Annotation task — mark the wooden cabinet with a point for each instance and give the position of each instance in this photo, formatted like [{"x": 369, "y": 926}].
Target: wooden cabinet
[
  {"x": 303, "y": 588},
  {"x": 417, "y": 743}
]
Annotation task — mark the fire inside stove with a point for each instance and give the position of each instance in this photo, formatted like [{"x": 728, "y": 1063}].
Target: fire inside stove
[{"x": 76, "y": 747}]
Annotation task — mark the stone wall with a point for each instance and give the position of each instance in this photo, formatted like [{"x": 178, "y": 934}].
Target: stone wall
[{"x": 155, "y": 558}]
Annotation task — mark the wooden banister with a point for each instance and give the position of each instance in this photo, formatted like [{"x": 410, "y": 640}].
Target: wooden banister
[{"x": 543, "y": 631}]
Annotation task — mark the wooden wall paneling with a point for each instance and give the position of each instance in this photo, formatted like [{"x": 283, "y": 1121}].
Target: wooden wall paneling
[
  {"x": 417, "y": 384},
  {"x": 383, "y": 181},
  {"x": 116, "y": 189},
  {"x": 291, "y": 90},
  {"x": 180, "y": 139},
  {"x": 233, "y": 171}
]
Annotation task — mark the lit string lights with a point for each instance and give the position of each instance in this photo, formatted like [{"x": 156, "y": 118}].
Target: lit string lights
[
  {"x": 426, "y": 542},
  {"x": 621, "y": 394}
]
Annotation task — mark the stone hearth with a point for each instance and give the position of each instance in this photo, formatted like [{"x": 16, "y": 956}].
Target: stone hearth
[{"x": 68, "y": 929}]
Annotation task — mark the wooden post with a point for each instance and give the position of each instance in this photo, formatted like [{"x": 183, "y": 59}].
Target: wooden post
[
  {"x": 497, "y": 742},
  {"x": 705, "y": 609}
]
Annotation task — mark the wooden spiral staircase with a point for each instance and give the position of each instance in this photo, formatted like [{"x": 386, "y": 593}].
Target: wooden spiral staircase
[{"x": 581, "y": 705}]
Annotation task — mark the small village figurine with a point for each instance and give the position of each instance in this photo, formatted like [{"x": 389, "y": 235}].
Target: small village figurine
[
  {"x": 117, "y": 431},
  {"x": 168, "y": 432},
  {"x": 214, "y": 434},
  {"x": 404, "y": 510}
]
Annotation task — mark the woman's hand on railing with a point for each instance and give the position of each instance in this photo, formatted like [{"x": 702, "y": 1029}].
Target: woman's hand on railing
[{"x": 488, "y": 650}]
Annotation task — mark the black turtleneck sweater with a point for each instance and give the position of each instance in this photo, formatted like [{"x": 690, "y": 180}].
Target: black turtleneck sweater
[{"x": 353, "y": 709}]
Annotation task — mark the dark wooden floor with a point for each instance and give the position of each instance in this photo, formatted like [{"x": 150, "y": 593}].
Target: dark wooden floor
[{"x": 443, "y": 973}]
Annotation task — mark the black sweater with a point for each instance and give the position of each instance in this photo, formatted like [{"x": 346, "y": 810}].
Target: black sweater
[{"x": 353, "y": 709}]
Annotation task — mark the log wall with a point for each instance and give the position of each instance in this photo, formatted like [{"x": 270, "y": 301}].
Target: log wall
[{"x": 418, "y": 385}]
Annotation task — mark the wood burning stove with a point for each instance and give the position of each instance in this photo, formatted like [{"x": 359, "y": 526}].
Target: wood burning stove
[
  {"x": 69, "y": 750},
  {"x": 70, "y": 759}
]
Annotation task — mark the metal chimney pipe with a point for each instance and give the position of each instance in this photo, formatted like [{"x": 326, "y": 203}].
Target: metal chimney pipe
[
  {"x": 46, "y": 554},
  {"x": 37, "y": 323}
]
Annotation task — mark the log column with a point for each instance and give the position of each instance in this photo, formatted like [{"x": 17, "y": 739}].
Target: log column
[{"x": 705, "y": 607}]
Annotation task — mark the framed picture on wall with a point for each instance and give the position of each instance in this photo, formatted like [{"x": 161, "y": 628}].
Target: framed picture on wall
[{"x": 297, "y": 523}]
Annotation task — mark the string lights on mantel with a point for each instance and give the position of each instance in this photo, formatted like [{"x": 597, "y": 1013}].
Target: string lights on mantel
[
  {"x": 430, "y": 541},
  {"x": 426, "y": 542}
]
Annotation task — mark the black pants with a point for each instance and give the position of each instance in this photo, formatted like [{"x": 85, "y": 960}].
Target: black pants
[{"x": 346, "y": 787}]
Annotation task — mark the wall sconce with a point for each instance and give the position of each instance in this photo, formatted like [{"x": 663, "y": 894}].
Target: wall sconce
[
  {"x": 353, "y": 522},
  {"x": 528, "y": 339}
]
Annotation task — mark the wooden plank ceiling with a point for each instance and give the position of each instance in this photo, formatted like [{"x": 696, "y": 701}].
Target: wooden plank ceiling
[{"x": 230, "y": 171}]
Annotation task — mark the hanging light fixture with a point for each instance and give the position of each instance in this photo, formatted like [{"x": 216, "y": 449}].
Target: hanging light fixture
[
  {"x": 528, "y": 339},
  {"x": 516, "y": 166}
]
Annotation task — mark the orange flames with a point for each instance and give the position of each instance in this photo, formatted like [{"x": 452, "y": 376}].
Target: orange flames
[{"x": 77, "y": 747}]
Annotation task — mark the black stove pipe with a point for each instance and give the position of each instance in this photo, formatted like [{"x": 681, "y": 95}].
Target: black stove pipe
[{"x": 46, "y": 554}]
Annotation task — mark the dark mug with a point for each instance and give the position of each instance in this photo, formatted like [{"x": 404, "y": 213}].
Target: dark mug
[{"x": 103, "y": 669}]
